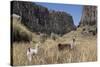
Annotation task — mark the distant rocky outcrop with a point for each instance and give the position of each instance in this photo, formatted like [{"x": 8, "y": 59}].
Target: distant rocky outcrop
[
  {"x": 89, "y": 20},
  {"x": 39, "y": 19},
  {"x": 89, "y": 16},
  {"x": 60, "y": 22}
]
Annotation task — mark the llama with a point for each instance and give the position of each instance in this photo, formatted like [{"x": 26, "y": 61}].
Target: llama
[
  {"x": 73, "y": 43},
  {"x": 63, "y": 46},
  {"x": 67, "y": 45},
  {"x": 32, "y": 51}
]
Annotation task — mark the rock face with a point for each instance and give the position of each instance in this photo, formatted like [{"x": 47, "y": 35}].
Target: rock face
[
  {"x": 39, "y": 19},
  {"x": 61, "y": 22},
  {"x": 89, "y": 16},
  {"x": 89, "y": 20}
]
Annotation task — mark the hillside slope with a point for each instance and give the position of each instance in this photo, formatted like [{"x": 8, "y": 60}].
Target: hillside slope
[{"x": 88, "y": 20}]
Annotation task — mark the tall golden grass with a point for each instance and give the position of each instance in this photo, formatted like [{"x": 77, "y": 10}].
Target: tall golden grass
[
  {"x": 84, "y": 51},
  {"x": 48, "y": 53}
]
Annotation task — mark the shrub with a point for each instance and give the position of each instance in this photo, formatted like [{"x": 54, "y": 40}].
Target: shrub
[{"x": 20, "y": 32}]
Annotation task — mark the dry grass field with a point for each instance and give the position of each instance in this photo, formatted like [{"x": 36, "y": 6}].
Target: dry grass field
[{"x": 48, "y": 53}]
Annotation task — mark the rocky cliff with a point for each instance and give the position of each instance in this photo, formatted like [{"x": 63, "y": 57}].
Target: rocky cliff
[
  {"x": 89, "y": 20},
  {"x": 39, "y": 19},
  {"x": 89, "y": 16}
]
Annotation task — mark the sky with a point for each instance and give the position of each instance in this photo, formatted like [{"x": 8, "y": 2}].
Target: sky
[{"x": 74, "y": 10}]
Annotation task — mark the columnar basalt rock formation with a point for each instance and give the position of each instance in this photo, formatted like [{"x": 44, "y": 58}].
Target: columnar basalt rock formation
[
  {"x": 89, "y": 16},
  {"x": 89, "y": 20}
]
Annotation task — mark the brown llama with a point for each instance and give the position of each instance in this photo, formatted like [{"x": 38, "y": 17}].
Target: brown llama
[{"x": 67, "y": 45}]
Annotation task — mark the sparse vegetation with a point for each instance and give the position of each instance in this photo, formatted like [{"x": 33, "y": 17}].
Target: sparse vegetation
[
  {"x": 89, "y": 30},
  {"x": 20, "y": 32}
]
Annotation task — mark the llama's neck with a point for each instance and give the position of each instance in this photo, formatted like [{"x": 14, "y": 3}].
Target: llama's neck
[
  {"x": 36, "y": 47},
  {"x": 73, "y": 42},
  {"x": 29, "y": 49}
]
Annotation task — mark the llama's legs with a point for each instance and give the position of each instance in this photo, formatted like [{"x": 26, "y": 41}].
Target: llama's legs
[
  {"x": 29, "y": 57},
  {"x": 71, "y": 46}
]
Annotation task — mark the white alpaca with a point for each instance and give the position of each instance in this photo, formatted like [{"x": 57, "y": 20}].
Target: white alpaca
[{"x": 32, "y": 51}]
